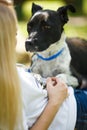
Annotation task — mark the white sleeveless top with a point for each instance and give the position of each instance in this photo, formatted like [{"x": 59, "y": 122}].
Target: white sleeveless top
[{"x": 35, "y": 99}]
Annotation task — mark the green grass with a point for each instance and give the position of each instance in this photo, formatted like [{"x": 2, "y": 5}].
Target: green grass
[
  {"x": 23, "y": 28},
  {"x": 76, "y": 31}
]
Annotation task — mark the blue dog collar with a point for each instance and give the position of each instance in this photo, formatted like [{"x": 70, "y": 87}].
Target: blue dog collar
[{"x": 51, "y": 57}]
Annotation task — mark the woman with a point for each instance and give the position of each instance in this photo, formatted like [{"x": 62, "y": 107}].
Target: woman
[
  {"x": 23, "y": 102},
  {"x": 12, "y": 114}
]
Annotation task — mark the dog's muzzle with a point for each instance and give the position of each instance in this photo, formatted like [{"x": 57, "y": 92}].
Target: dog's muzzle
[{"x": 30, "y": 45}]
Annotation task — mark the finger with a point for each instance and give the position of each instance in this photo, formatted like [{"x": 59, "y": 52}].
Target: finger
[
  {"x": 54, "y": 79},
  {"x": 49, "y": 82},
  {"x": 48, "y": 79}
]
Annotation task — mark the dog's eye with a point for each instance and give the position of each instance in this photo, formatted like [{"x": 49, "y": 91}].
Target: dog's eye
[{"x": 46, "y": 27}]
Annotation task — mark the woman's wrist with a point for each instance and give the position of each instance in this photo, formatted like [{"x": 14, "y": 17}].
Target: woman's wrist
[{"x": 55, "y": 104}]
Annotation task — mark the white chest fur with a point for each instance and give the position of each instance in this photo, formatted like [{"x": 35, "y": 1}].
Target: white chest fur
[
  {"x": 56, "y": 66},
  {"x": 59, "y": 66}
]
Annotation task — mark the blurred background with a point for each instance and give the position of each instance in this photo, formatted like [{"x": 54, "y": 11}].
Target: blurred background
[{"x": 76, "y": 27}]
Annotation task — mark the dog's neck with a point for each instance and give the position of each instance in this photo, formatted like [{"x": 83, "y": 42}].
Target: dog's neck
[{"x": 54, "y": 48}]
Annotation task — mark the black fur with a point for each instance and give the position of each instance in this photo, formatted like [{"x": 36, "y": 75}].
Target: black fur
[
  {"x": 63, "y": 12},
  {"x": 45, "y": 31},
  {"x": 78, "y": 50},
  {"x": 35, "y": 8}
]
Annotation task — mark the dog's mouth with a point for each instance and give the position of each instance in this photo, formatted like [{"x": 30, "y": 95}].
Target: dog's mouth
[{"x": 31, "y": 48}]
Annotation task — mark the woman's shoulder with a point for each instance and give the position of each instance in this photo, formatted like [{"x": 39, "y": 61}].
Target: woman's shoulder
[
  {"x": 23, "y": 71},
  {"x": 21, "y": 67}
]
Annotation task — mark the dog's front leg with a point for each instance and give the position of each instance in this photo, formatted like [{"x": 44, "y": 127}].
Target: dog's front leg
[{"x": 68, "y": 79}]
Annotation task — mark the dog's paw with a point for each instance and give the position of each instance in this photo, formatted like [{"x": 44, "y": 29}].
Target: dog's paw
[{"x": 69, "y": 80}]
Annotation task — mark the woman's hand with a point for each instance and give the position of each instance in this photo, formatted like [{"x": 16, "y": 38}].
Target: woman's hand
[{"x": 57, "y": 91}]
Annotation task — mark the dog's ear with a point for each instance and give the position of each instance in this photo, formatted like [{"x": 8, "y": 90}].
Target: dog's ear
[
  {"x": 62, "y": 11},
  {"x": 35, "y": 8}
]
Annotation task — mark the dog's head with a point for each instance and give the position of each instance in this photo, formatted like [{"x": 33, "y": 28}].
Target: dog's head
[{"x": 45, "y": 27}]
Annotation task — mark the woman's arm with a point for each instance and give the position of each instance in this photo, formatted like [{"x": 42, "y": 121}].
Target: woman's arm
[{"x": 57, "y": 93}]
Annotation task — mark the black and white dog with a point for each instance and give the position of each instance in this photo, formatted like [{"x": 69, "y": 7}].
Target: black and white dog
[{"x": 47, "y": 41}]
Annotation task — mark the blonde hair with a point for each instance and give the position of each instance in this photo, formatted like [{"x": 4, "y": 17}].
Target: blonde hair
[{"x": 10, "y": 92}]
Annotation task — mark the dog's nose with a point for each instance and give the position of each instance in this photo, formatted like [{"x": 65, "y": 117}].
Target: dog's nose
[{"x": 30, "y": 43}]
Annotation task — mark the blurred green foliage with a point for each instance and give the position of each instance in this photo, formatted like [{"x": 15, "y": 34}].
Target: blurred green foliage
[{"x": 77, "y": 28}]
